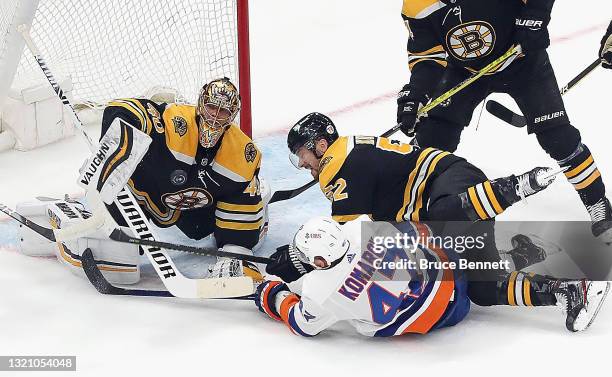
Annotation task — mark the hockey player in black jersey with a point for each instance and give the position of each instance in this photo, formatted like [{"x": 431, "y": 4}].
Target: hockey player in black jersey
[
  {"x": 605, "y": 51},
  {"x": 392, "y": 181},
  {"x": 200, "y": 172},
  {"x": 451, "y": 39}
]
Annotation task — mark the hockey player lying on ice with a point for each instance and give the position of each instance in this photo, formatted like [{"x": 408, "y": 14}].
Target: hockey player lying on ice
[
  {"x": 333, "y": 280},
  {"x": 188, "y": 166},
  {"x": 391, "y": 181}
]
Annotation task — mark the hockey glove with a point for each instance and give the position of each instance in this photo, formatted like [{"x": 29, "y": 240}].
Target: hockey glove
[
  {"x": 408, "y": 105},
  {"x": 265, "y": 297},
  {"x": 532, "y": 26},
  {"x": 286, "y": 265},
  {"x": 605, "y": 52}
]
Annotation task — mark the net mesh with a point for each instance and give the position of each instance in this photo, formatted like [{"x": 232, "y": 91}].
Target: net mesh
[{"x": 118, "y": 48}]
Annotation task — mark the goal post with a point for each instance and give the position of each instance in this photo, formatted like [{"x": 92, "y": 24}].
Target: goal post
[{"x": 108, "y": 49}]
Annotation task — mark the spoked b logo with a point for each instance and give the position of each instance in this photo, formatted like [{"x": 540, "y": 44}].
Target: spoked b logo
[{"x": 470, "y": 40}]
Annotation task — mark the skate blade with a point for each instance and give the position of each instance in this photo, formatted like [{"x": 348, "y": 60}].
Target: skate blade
[{"x": 601, "y": 297}]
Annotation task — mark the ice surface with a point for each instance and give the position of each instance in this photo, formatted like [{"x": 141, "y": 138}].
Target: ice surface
[{"x": 345, "y": 58}]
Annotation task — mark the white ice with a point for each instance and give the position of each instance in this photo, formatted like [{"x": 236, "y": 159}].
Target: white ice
[{"x": 347, "y": 59}]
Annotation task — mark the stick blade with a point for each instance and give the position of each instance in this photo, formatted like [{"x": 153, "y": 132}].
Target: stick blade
[
  {"x": 229, "y": 287},
  {"x": 502, "y": 112}
]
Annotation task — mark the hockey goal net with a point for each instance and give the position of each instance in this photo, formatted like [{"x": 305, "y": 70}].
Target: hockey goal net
[{"x": 116, "y": 48}]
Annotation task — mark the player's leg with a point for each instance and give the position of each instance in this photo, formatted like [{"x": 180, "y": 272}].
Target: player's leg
[
  {"x": 441, "y": 128},
  {"x": 117, "y": 261},
  {"x": 536, "y": 92}
]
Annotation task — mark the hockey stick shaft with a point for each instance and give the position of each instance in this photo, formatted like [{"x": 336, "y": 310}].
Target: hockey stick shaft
[
  {"x": 120, "y": 236},
  {"x": 502, "y": 112},
  {"x": 97, "y": 279},
  {"x": 43, "y": 231},
  {"x": 288, "y": 194},
  {"x": 177, "y": 283}
]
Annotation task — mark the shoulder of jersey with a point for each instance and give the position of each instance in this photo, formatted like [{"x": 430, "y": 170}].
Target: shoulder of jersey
[
  {"x": 181, "y": 131},
  {"x": 237, "y": 158},
  {"x": 417, "y": 9},
  {"x": 334, "y": 159}
]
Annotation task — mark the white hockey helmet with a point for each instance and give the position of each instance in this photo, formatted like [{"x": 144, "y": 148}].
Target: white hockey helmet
[{"x": 320, "y": 243}]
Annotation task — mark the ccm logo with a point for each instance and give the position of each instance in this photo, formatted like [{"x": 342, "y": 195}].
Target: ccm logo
[
  {"x": 529, "y": 23},
  {"x": 546, "y": 117}
]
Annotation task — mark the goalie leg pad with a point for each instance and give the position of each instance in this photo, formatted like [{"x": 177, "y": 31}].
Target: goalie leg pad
[
  {"x": 31, "y": 243},
  {"x": 117, "y": 261}
]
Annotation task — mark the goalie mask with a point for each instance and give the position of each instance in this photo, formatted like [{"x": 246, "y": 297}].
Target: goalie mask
[
  {"x": 218, "y": 105},
  {"x": 320, "y": 243}
]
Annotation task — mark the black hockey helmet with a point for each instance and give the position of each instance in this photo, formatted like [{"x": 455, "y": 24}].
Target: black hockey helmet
[{"x": 310, "y": 129}]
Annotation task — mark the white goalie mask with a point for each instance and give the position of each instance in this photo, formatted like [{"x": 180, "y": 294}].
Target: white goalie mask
[
  {"x": 320, "y": 243},
  {"x": 218, "y": 105}
]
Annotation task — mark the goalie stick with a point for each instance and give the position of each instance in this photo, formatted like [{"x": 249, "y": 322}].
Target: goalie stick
[
  {"x": 175, "y": 282},
  {"x": 502, "y": 112},
  {"x": 95, "y": 277},
  {"x": 288, "y": 194}
]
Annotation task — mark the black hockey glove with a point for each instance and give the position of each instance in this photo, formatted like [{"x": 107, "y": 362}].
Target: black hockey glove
[
  {"x": 605, "y": 52},
  {"x": 286, "y": 265},
  {"x": 532, "y": 26},
  {"x": 408, "y": 104}
]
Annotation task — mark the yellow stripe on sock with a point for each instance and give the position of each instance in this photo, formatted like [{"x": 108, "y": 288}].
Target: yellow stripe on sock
[
  {"x": 594, "y": 175},
  {"x": 511, "y": 284},
  {"x": 476, "y": 204}
]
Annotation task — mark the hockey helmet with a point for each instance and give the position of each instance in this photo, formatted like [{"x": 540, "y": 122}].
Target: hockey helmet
[
  {"x": 307, "y": 131},
  {"x": 320, "y": 243},
  {"x": 218, "y": 105}
]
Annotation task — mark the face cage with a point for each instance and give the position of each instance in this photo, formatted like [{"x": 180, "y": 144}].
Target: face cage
[{"x": 211, "y": 131}]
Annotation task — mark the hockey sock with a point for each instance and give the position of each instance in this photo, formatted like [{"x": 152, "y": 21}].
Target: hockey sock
[
  {"x": 522, "y": 289},
  {"x": 488, "y": 199},
  {"x": 582, "y": 172}
]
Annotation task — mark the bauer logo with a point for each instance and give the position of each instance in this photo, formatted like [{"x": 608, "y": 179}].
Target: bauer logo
[{"x": 548, "y": 117}]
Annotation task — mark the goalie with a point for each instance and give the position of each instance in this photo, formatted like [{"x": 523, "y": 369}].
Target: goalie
[{"x": 189, "y": 167}]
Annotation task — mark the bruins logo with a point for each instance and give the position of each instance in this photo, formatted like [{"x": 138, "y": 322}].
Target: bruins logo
[
  {"x": 180, "y": 125},
  {"x": 250, "y": 152},
  {"x": 187, "y": 199},
  {"x": 471, "y": 40}
]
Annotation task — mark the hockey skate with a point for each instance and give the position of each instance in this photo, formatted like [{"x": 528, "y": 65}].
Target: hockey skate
[
  {"x": 524, "y": 252},
  {"x": 580, "y": 301},
  {"x": 601, "y": 220},
  {"x": 518, "y": 187}
]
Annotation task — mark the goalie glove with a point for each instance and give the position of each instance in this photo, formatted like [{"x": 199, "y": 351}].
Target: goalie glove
[
  {"x": 531, "y": 26},
  {"x": 408, "y": 105},
  {"x": 605, "y": 51},
  {"x": 286, "y": 265}
]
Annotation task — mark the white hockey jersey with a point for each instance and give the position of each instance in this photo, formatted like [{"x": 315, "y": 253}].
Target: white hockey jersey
[{"x": 376, "y": 301}]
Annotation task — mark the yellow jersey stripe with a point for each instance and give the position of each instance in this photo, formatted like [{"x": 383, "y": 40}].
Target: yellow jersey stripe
[
  {"x": 238, "y": 226},
  {"x": 578, "y": 169},
  {"x": 139, "y": 105},
  {"x": 143, "y": 122},
  {"x": 492, "y": 199},
  {"x": 250, "y": 208},
  {"x": 511, "y": 284},
  {"x": 344, "y": 218},
  {"x": 333, "y": 159},
  {"x": 477, "y": 206},
  {"x": 587, "y": 182},
  {"x": 415, "y": 213},
  {"x": 408, "y": 190}
]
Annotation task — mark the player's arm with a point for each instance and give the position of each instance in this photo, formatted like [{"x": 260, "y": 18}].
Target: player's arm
[
  {"x": 122, "y": 146},
  {"x": 131, "y": 110},
  {"x": 605, "y": 51},
  {"x": 303, "y": 316},
  {"x": 239, "y": 216},
  {"x": 426, "y": 62}
]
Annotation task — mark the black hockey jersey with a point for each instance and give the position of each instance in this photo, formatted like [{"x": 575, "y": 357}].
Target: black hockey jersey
[
  {"x": 383, "y": 178},
  {"x": 465, "y": 33},
  {"x": 180, "y": 183}
]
